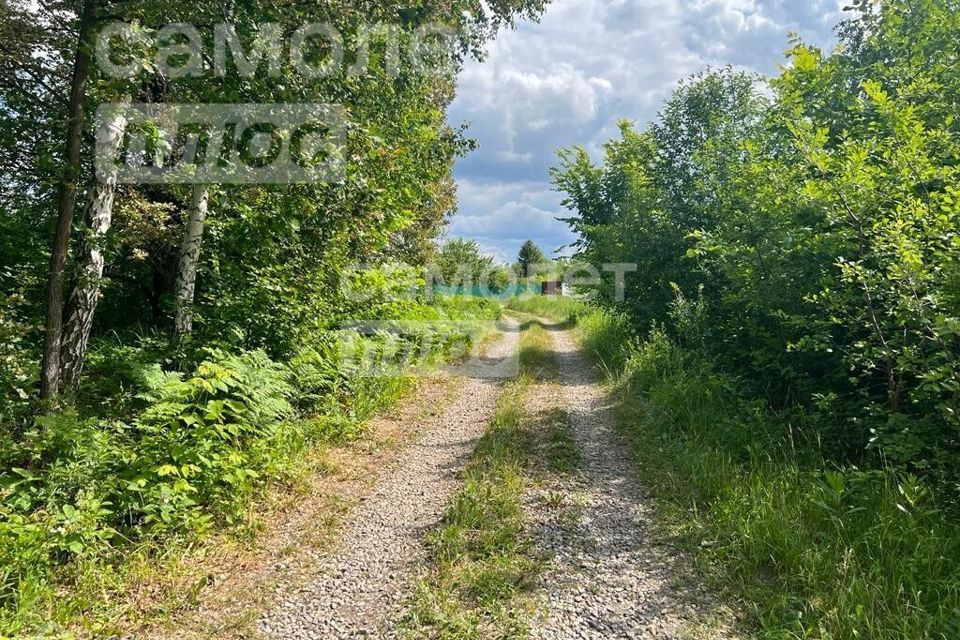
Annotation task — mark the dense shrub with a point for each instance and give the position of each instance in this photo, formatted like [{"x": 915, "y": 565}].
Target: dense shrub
[
  {"x": 81, "y": 486},
  {"x": 812, "y": 229},
  {"x": 817, "y": 550},
  {"x": 175, "y": 455},
  {"x": 17, "y": 368}
]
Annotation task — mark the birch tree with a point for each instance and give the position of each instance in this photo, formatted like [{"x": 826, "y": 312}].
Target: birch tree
[
  {"x": 50, "y": 371},
  {"x": 99, "y": 214},
  {"x": 186, "y": 282}
]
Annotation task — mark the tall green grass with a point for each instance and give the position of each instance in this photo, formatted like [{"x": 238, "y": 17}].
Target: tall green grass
[{"x": 812, "y": 550}]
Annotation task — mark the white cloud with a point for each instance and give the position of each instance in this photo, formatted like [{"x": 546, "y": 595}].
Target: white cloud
[
  {"x": 501, "y": 231},
  {"x": 570, "y": 78}
]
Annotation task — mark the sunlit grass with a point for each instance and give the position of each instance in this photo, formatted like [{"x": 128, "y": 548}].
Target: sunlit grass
[
  {"x": 810, "y": 550},
  {"x": 482, "y": 567},
  {"x": 559, "y": 308}
]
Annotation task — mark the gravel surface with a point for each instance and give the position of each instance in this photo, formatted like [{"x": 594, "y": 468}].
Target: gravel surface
[
  {"x": 361, "y": 588},
  {"x": 609, "y": 576}
]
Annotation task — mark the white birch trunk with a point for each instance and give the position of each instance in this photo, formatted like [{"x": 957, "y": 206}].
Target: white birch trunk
[
  {"x": 186, "y": 283},
  {"x": 99, "y": 215}
]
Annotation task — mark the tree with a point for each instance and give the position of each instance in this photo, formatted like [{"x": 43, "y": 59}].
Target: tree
[
  {"x": 529, "y": 258},
  {"x": 656, "y": 187},
  {"x": 185, "y": 286},
  {"x": 99, "y": 217},
  {"x": 50, "y": 371},
  {"x": 820, "y": 223},
  {"x": 462, "y": 262},
  {"x": 269, "y": 253}
]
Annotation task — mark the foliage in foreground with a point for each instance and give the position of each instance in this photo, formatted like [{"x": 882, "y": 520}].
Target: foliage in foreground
[
  {"x": 814, "y": 226},
  {"x": 814, "y": 549},
  {"x": 787, "y": 352},
  {"x": 188, "y": 454}
]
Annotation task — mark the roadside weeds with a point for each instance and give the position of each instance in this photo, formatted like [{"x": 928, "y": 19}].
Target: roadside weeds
[
  {"x": 229, "y": 580},
  {"x": 482, "y": 574}
]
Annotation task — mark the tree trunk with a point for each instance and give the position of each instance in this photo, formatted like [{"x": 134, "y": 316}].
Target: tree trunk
[
  {"x": 189, "y": 259},
  {"x": 50, "y": 369},
  {"x": 99, "y": 214}
]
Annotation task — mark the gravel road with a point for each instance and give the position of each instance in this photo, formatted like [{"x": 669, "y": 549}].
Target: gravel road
[
  {"x": 362, "y": 586},
  {"x": 610, "y": 578}
]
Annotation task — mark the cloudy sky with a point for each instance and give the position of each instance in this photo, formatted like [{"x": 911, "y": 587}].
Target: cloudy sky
[{"x": 570, "y": 78}]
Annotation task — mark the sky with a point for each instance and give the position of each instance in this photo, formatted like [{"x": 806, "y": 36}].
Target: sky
[{"x": 570, "y": 78}]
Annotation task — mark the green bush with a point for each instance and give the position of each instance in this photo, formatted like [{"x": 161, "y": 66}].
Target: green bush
[
  {"x": 80, "y": 489},
  {"x": 815, "y": 549},
  {"x": 809, "y": 230},
  {"x": 192, "y": 442},
  {"x": 17, "y": 366},
  {"x": 179, "y": 454}
]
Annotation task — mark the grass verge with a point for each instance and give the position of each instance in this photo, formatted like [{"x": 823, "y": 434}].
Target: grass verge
[
  {"x": 104, "y": 515},
  {"x": 560, "y": 451},
  {"x": 561, "y": 309},
  {"x": 481, "y": 566},
  {"x": 810, "y": 548}
]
